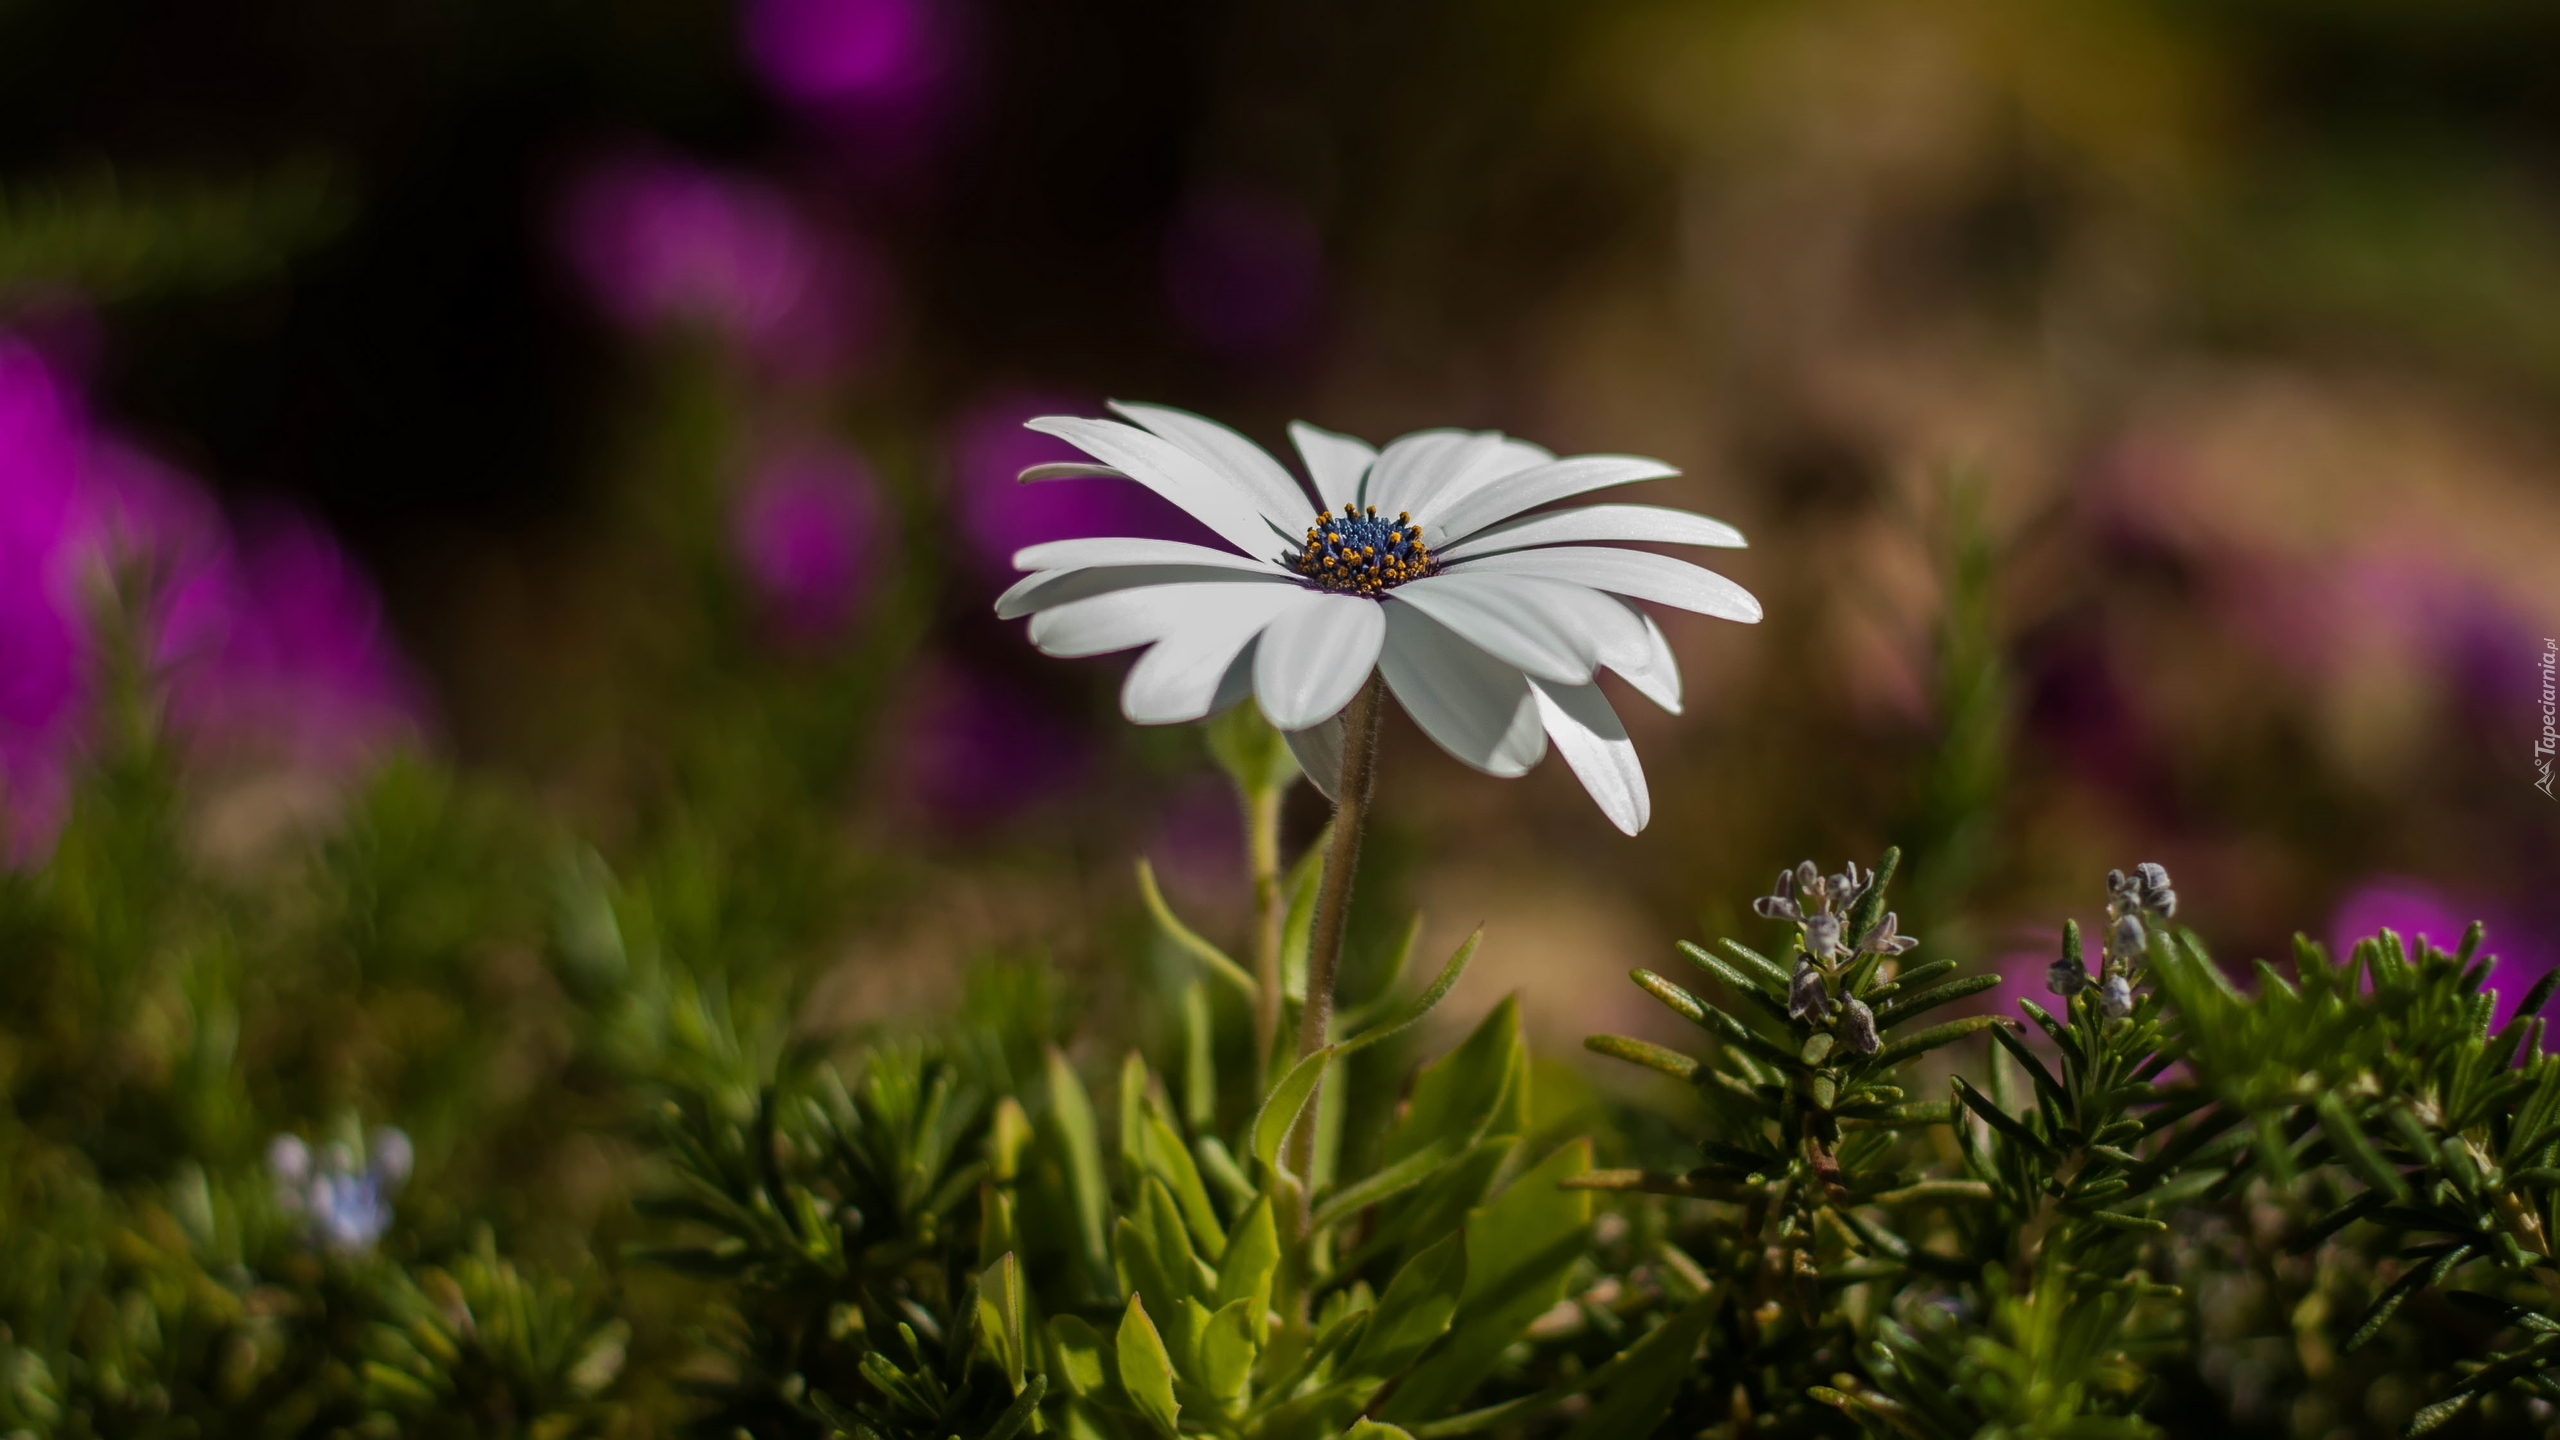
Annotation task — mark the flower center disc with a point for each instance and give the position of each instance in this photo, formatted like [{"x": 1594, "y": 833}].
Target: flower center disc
[{"x": 1359, "y": 553}]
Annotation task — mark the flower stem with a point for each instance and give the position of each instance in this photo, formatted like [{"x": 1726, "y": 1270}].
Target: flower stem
[
  {"x": 1333, "y": 894},
  {"x": 1333, "y": 903}
]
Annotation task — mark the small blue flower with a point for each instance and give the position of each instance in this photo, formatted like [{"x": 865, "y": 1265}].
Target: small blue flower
[{"x": 344, "y": 1201}]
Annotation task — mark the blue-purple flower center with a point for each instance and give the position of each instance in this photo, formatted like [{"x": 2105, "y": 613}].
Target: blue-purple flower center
[{"x": 1360, "y": 552}]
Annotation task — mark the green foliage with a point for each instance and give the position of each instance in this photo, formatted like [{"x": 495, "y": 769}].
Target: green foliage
[
  {"x": 112, "y": 238},
  {"x": 861, "y": 1237},
  {"x": 1900, "y": 1220},
  {"x": 2035, "y": 1269}
]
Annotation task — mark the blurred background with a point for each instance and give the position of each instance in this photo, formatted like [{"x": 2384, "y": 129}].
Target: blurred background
[{"x": 575, "y": 439}]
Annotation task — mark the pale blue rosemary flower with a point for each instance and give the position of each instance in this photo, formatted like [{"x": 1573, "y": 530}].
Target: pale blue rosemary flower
[
  {"x": 344, "y": 1199},
  {"x": 1819, "y": 905}
]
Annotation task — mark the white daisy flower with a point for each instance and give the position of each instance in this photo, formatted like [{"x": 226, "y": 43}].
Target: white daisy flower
[{"x": 1421, "y": 563}]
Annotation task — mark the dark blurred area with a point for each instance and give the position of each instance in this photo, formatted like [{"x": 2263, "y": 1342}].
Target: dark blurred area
[{"x": 2141, "y": 413}]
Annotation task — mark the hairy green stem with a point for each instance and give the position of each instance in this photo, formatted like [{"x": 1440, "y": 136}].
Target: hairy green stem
[{"x": 1333, "y": 894}]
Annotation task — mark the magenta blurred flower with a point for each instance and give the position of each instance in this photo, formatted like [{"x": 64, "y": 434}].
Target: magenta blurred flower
[
  {"x": 298, "y": 664},
  {"x": 998, "y": 515},
  {"x": 2415, "y": 910},
  {"x": 880, "y": 76},
  {"x": 664, "y": 242},
  {"x": 1244, "y": 270},
  {"x": 831, "y": 53},
  {"x": 806, "y": 528},
  {"x": 40, "y": 643},
  {"x": 979, "y": 748},
  {"x": 269, "y": 642}
]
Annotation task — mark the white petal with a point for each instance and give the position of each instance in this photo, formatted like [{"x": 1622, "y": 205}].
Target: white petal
[
  {"x": 1318, "y": 749},
  {"x": 1589, "y": 737},
  {"x": 1472, "y": 705},
  {"x": 1410, "y": 464},
  {"x": 1508, "y": 620},
  {"x": 1236, "y": 686},
  {"x": 1207, "y": 495},
  {"x": 1069, "y": 470},
  {"x": 1045, "y": 589},
  {"x": 1639, "y": 574},
  {"x": 1435, "y": 484},
  {"x": 1179, "y": 678},
  {"x": 1337, "y": 463},
  {"x": 1316, "y": 656},
  {"x": 1498, "y": 455},
  {"x": 1246, "y": 465},
  {"x": 1656, "y": 523},
  {"x": 1113, "y": 551},
  {"x": 1125, "y": 618},
  {"x": 1505, "y": 496},
  {"x": 1656, "y": 676}
]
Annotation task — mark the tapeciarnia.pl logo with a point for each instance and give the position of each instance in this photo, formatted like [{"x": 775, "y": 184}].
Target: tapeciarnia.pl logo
[{"x": 2544, "y": 748}]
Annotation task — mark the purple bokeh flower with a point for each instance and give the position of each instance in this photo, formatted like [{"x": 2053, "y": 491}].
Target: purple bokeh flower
[
  {"x": 298, "y": 664},
  {"x": 40, "y": 645},
  {"x": 978, "y": 748},
  {"x": 806, "y": 528},
  {"x": 1244, "y": 270},
  {"x": 267, "y": 640},
  {"x": 999, "y": 515},
  {"x": 882, "y": 76},
  {"x": 2418, "y": 911},
  {"x": 827, "y": 53},
  {"x": 662, "y": 242}
]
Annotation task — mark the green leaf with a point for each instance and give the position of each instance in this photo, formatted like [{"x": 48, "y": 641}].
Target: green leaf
[
  {"x": 1439, "y": 1204},
  {"x": 1372, "y": 1430},
  {"x": 1899, "y": 1010},
  {"x": 2335, "y": 1221},
  {"x": 2388, "y": 1303},
  {"x": 1648, "y": 1377},
  {"x": 1645, "y": 1053},
  {"x": 1026, "y": 1403},
  {"x": 1253, "y": 1256},
  {"x": 1521, "y": 1250},
  {"x": 1000, "y": 1317},
  {"x": 1076, "y": 1354},
  {"x": 1380, "y": 1184},
  {"x": 1297, "y": 928},
  {"x": 1188, "y": 940},
  {"x": 1076, "y": 1138},
  {"x": 2356, "y": 1150},
  {"x": 1680, "y": 1002},
  {"x": 1146, "y": 1371},
  {"x": 1476, "y": 1090},
  {"x": 1931, "y": 1038},
  {"x": 1733, "y": 977},
  {"x": 2027, "y": 1060},
  {"x": 1439, "y": 989},
  {"x": 1155, "y": 1250},
  {"x": 1281, "y": 1108},
  {"x": 1868, "y": 908},
  {"x": 2000, "y": 1120},
  {"x": 1228, "y": 1341},
  {"x": 1220, "y": 1169},
  {"x": 1199, "y": 1059},
  {"x": 1414, "y": 1311},
  {"x": 1161, "y": 1152}
]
